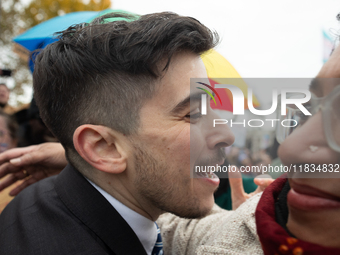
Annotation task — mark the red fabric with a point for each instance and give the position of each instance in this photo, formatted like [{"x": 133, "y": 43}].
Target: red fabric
[
  {"x": 225, "y": 96},
  {"x": 274, "y": 239}
]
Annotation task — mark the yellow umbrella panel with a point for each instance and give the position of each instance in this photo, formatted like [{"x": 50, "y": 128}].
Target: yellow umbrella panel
[{"x": 219, "y": 71}]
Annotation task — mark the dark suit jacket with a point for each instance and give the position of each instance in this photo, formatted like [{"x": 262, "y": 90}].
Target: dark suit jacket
[{"x": 64, "y": 215}]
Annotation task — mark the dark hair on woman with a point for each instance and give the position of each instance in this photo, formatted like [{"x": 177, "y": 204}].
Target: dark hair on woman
[{"x": 101, "y": 73}]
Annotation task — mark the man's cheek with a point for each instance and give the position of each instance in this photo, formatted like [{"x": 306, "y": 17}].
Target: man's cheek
[{"x": 195, "y": 136}]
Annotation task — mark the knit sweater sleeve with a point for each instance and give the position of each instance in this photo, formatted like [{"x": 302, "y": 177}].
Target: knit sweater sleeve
[{"x": 183, "y": 236}]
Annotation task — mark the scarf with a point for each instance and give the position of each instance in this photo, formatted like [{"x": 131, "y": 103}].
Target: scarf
[{"x": 274, "y": 236}]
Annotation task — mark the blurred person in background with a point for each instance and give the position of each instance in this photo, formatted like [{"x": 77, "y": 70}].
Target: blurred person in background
[
  {"x": 262, "y": 158},
  {"x": 32, "y": 129},
  {"x": 8, "y": 132},
  {"x": 4, "y": 97},
  {"x": 8, "y": 140},
  {"x": 232, "y": 154}
]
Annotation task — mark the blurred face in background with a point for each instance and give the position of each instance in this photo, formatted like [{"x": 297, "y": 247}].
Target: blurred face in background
[
  {"x": 4, "y": 94},
  {"x": 7, "y": 136},
  {"x": 314, "y": 203}
]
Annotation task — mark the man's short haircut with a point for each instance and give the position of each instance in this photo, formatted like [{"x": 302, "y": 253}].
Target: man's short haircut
[{"x": 101, "y": 73}]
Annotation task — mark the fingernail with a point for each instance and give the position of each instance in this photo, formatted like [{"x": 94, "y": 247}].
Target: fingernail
[
  {"x": 260, "y": 181},
  {"x": 15, "y": 161},
  {"x": 264, "y": 176}
]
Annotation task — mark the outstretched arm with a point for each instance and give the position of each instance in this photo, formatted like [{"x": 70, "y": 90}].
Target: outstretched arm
[
  {"x": 238, "y": 195},
  {"x": 31, "y": 163}
]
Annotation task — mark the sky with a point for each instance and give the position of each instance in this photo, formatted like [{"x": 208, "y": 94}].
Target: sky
[{"x": 261, "y": 38}]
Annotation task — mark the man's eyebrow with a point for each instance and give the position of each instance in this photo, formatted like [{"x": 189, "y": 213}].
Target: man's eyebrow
[{"x": 186, "y": 102}]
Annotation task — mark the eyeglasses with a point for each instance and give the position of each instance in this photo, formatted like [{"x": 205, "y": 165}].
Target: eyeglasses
[{"x": 330, "y": 108}]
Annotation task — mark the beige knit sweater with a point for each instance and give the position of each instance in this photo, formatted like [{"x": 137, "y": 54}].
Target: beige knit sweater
[{"x": 221, "y": 232}]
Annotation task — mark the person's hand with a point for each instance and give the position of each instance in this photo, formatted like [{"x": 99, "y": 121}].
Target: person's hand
[
  {"x": 238, "y": 195},
  {"x": 31, "y": 163}
]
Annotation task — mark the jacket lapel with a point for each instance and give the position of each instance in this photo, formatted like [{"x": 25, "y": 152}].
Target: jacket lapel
[{"x": 90, "y": 207}]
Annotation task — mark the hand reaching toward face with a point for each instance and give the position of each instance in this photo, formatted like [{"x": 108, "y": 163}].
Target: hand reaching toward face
[
  {"x": 238, "y": 195},
  {"x": 32, "y": 163}
]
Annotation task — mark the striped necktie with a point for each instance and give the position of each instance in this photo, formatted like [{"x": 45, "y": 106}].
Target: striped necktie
[{"x": 158, "y": 248}]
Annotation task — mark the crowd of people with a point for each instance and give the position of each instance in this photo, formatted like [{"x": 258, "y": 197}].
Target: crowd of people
[{"x": 116, "y": 96}]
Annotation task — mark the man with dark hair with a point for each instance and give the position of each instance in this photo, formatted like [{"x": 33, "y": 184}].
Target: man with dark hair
[
  {"x": 117, "y": 96},
  {"x": 4, "y": 96}
]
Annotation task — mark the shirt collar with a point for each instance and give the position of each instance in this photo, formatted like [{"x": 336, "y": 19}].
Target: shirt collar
[{"x": 144, "y": 228}]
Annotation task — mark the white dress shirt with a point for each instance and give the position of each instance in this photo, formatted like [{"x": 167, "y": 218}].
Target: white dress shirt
[{"x": 144, "y": 228}]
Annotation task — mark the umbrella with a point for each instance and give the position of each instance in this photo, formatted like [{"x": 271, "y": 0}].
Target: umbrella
[
  {"x": 218, "y": 69},
  {"x": 42, "y": 34}
]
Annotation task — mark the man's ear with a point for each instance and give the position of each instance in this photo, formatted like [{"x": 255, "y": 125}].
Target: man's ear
[{"x": 101, "y": 147}]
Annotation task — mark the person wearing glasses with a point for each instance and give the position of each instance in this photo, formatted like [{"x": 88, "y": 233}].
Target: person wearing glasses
[{"x": 297, "y": 214}]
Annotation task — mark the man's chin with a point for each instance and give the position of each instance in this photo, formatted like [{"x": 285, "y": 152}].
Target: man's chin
[{"x": 195, "y": 213}]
